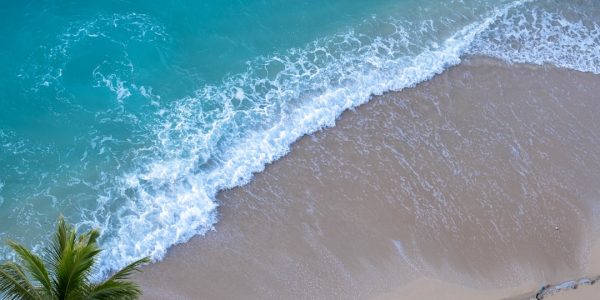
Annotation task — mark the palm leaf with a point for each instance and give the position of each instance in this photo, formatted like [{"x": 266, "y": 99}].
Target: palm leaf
[
  {"x": 89, "y": 238},
  {"x": 74, "y": 269},
  {"x": 65, "y": 271},
  {"x": 15, "y": 285},
  {"x": 64, "y": 239},
  {"x": 34, "y": 265},
  {"x": 127, "y": 271},
  {"x": 72, "y": 259},
  {"x": 114, "y": 290},
  {"x": 117, "y": 286}
]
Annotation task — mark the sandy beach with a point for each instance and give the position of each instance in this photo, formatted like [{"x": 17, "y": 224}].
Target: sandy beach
[{"x": 481, "y": 183}]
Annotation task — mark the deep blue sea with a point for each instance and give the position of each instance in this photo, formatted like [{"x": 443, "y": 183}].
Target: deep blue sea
[{"x": 130, "y": 116}]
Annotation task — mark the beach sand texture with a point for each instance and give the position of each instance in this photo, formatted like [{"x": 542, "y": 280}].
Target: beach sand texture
[{"x": 481, "y": 183}]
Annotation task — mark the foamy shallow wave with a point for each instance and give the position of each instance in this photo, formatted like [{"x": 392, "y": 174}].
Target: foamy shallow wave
[
  {"x": 539, "y": 36},
  {"x": 217, "y": 138}
]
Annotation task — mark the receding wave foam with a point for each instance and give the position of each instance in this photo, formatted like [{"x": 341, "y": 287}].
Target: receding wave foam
[
  {"x": 217, "y": 138},
  {"x": 569, "y": 38}
]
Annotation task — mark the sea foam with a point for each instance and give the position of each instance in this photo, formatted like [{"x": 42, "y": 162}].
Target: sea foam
[{"x": 539, "y": 36}]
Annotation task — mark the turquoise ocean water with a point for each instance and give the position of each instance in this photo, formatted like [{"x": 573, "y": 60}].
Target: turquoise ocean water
[{"x": 130, "y": 116}]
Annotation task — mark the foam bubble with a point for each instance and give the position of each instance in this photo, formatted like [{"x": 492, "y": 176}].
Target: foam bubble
[
  {"x": 114, "y": 84},
  {"x": 569, "y": 39}
]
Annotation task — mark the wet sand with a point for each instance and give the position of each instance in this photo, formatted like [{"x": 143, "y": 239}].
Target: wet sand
[{"x": 482, "y": 183}]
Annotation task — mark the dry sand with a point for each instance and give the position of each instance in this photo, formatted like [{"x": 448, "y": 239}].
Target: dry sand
[{"x": 482, "y": 183}]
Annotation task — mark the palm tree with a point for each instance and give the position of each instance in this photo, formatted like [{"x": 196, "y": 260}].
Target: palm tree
[{"x": 63, "y": 273}]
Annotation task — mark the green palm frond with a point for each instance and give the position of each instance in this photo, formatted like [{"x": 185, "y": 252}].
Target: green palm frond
[
  {"x": 74, "y": 269},
  {"x": 63, "y": 239},
  {"x": 127, "y": 271},
  {"x": 34, "y": 265},
  {"x": 117, "y": 286},
  {"x": 64, "y": 272},
  {"x": 115, "y": 290},
  {"x": 14, "y": 284},
  {"x": 76, "y": 259}
]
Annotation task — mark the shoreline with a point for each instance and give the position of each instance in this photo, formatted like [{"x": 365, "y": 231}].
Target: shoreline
[{"x": 302, "y": 228}]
